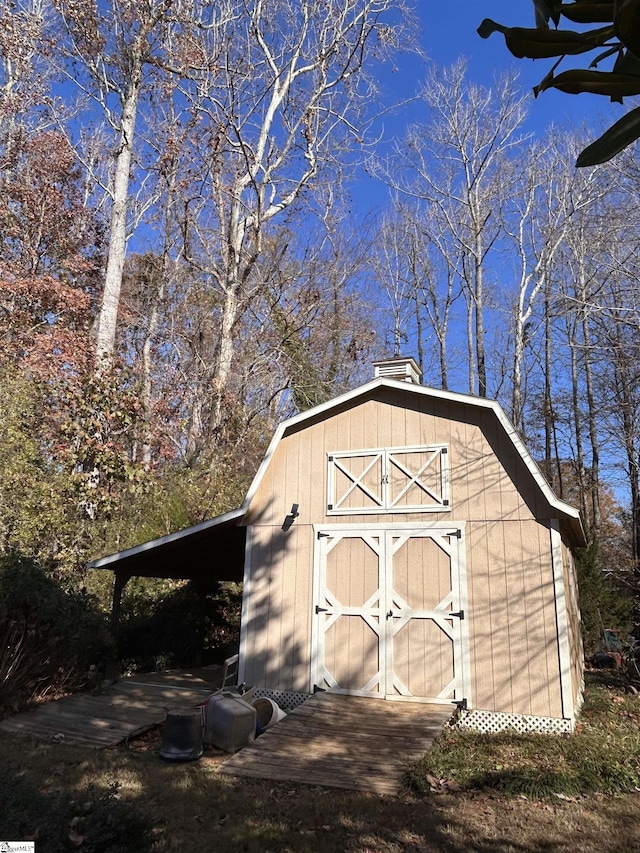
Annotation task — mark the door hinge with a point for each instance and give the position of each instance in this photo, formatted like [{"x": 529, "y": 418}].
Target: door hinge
[
  {"x": 317, "y": 689},
  {"x": 459, "y": 614},
  {"x": 322, "y": 535},
  {"x": 462, "y": 704},
  {"x": 320, "y": 609}
]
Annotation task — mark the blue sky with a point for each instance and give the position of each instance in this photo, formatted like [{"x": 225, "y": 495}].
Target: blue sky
[{"x": 449, "y": 30}]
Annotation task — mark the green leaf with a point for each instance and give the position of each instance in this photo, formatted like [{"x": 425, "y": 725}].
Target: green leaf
[
  {"x": 577, "y": 81},
  {"x": 627, "y": 24},
  {"x": 587, "y": 12},
  {"x": 613, "y": 141},
  {"x": 524, "y": 42},
  {"x": 543, "y": 11}
]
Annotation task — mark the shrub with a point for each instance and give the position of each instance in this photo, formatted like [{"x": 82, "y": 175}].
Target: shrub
[{"x": 52, "y": 641}]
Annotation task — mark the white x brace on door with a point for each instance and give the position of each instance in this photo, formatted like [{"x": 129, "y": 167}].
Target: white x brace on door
[
  {"x": 389, "y": 612},
  {"x": 400, "y": 479}
]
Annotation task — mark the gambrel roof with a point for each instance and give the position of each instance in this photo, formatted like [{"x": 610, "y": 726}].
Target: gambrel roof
[{"x": 562, "y": 510}]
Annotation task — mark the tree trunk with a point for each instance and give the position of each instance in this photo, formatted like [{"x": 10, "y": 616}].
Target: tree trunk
[
  {"x": 158, "y": 298},
  {"x": 547, "y": 404},
  {"x": 518, "y": 355},
  {"x": 470, "y": 343},
  {"x": 226, "y": 352},
  {"x": 108, "y": 315},
  {"x": 591, "y": 411},
  {"x": 577, "y": 417},
  {"x": 479, "y": 305}
]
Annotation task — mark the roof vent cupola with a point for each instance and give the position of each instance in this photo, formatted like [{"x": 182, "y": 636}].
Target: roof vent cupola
[{"x": 401, "y": 369}]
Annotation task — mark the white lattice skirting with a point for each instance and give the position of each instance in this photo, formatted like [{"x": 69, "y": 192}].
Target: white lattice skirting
[
  {"x": 489, "y": 722},
  {"x": 285, "y": 699},
  {"x": 480, "y": 721}
]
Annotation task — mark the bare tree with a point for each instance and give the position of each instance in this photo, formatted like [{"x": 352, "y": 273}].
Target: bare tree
[
  {"x": 391, "y": 267},
  {"x": 288, "y": 100},
  {"x": 314, "y": 327},
  {"x": 616, "y": 337},
  {"x": 413, "y": 265},
  {"x": 539, "y": 217},
  {"x": 457, "y": 161},
  {"x": 114, "y": 53}
]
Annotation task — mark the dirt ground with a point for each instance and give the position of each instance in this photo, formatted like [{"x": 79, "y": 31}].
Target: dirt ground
[{"x": 190, "y": 806}]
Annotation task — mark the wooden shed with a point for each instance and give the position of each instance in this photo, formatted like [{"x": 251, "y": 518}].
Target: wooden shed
[
  {"x": 399, "y": 542},
  {"x": 402, "y": 543}
]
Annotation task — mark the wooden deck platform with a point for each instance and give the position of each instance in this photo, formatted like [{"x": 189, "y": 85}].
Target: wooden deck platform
[
  {"x": 343, "y": 742},
  {"x": 332, "y": 740},
  {"x": 127, "y": 706}
]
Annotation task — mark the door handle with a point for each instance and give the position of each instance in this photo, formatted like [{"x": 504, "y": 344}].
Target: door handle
[{"x": 390, "y": 614}]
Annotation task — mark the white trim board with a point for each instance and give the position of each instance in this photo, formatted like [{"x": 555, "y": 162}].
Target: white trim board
[
  {"x": 562, "y": 624},
  {"x": 245, "y": 614}
]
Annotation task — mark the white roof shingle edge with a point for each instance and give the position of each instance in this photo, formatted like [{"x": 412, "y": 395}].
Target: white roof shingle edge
[{"x": 105, "y": 562}]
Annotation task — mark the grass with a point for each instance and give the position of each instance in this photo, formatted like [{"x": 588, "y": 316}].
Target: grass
[
  {"x": 130, "y": 801},
  {"x": 602, "y": 756}
]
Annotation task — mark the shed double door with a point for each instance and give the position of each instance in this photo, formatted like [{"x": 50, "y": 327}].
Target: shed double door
[{"x": 389, "y": 612}]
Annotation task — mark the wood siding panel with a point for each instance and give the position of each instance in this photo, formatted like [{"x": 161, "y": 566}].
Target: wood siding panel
[
  {"x": 514, "y": 650},
  {"x": 298, "y": 487},
  {"x": 482, "y": 631},
  {"x": 499, "y": 602},
  {"x": 413, "y": 420},
  {"x": 492, "y": 470},
  {"x": 265, "y": 510},
  {"x": 468, "y": 479},
  {"x": 278, "y": 630},
  {"x": 399, "y": 434},
  {"x": 547, "y": 593},
  {"x": 379, "y": 420},
  {"x": 489, "y": 481},
  {"x": 520, "y": 562},
  {"x": 298, "y": 576}
]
